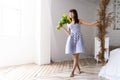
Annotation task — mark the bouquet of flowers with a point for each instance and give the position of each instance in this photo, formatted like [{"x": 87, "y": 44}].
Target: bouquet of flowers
[{"x": 64, "y": 20}]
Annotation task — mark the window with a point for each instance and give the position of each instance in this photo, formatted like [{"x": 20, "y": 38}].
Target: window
[{"x": 10, "y": 14}]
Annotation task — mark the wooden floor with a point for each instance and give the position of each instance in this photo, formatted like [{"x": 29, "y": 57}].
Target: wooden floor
[{"x": 54, "y": 71}]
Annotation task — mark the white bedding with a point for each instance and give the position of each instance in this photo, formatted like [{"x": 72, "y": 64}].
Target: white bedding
[{"x": 111, "y": 70}]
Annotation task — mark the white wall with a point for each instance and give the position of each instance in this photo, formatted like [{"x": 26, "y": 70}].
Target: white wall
[
  {"x": 17, "y": 45},
  {"x": 87, "y": 11},
  {"x": 113, "y": 34}
]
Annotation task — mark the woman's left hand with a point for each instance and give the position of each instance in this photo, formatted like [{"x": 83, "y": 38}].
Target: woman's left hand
[{"x": 97, "y": 22}]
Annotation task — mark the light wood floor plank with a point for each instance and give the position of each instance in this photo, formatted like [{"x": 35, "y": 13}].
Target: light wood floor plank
[{"x": 53, "y": 71}]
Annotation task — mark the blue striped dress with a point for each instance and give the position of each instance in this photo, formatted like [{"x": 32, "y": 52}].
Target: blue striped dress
[{"x": 75, "y": 43}]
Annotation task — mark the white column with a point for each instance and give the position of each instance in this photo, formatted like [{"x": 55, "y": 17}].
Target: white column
[{"x": 42, "y": 38}]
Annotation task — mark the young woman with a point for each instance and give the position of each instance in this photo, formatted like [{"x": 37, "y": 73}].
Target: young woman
[{"x": 75, "y": 44}]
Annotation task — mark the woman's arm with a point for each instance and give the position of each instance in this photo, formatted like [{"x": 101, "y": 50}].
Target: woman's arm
[
  {"x": 88, "y": 23},
  {"x": 67, "y": 31}
]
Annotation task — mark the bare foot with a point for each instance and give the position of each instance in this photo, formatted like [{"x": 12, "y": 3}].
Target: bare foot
[
  {"x": 79, "y": 70},
  {"x": 72, "y": 74}
]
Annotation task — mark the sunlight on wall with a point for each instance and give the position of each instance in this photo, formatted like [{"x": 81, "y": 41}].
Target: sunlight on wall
[{"x": 16, "y": 32}]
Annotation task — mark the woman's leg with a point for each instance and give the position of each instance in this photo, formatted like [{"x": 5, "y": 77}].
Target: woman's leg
[
  {"x": 75, "y": 64},
  {"x": 78, "y": 64}
]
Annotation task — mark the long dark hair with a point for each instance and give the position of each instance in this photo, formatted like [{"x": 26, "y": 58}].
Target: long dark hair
[{"x": 74, "y": 11}]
